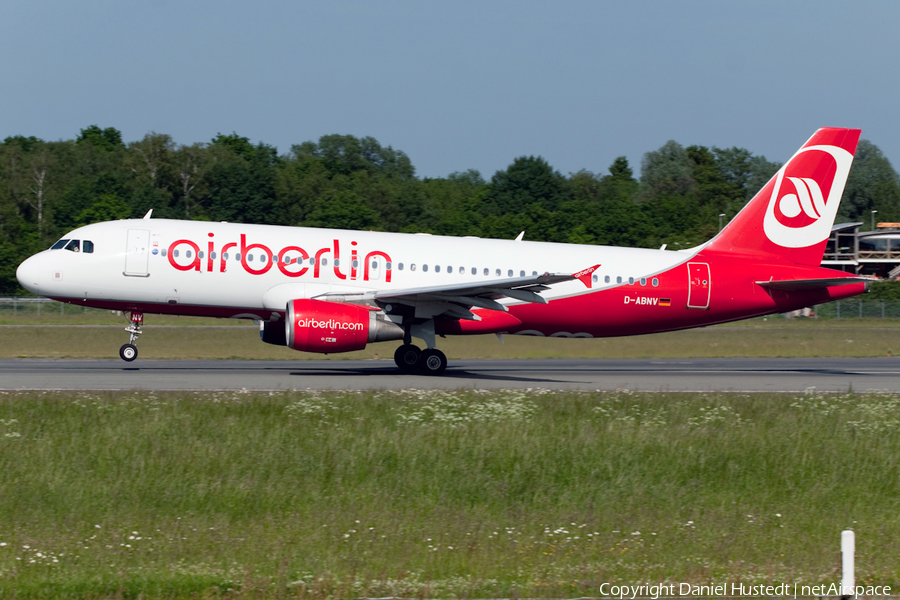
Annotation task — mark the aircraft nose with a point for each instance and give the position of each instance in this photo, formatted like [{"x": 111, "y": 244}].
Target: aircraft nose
[{"x": 28, "y": 274}]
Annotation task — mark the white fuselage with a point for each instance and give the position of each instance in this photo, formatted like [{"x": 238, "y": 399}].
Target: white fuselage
[{"x": 243, "y": 269}]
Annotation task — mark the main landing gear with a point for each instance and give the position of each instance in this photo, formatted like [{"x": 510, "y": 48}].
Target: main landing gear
[
  {"x": 410, "y": 359},
  {"x": 428, "y": 362},
  {"x": 129, "y": 351}
]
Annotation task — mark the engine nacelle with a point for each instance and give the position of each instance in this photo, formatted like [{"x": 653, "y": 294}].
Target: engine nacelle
[
  {"x": 331, "y": 327},
  {"x": 273, "y": 332}
]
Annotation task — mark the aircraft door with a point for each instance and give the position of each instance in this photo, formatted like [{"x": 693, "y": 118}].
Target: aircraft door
[
  {"x": 699, "y": 283},
  {"x": 137, "y": 253}
]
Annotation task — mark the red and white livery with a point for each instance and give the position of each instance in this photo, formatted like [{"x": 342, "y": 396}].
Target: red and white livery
[{"x": 326, "y": 290}]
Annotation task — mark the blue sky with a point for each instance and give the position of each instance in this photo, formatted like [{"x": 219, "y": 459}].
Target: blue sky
[{"x": 458, "y": 85}]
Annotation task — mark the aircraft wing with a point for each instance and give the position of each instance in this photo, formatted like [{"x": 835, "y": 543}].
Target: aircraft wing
[
  {"x": 812, "y": 284},
  {"x": 455, "y": 300}
]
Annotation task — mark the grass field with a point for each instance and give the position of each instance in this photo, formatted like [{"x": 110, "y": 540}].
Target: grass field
[
  {"x": 90, "y": 333},
  {"x": 236, "y": 341},
  {"x": 411, "y": 494}
]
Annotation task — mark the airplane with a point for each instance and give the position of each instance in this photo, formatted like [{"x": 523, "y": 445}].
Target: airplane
[{"x": 331, "y": 290}]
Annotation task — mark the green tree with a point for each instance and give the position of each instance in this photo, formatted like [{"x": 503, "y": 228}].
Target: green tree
[
  {"x": 105, "y": 139},
  {"x": 668, "y": 170},
  {"x": 343, "y": 210},
  {"x": 528, "y": 181},
  {"x": 107, "y": 207},
  {"x": 346, "y": 154},
  {"x": 240, "y": 183}
]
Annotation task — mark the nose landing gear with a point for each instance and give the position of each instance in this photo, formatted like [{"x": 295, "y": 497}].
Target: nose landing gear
[{"x": 129, "y": 351}]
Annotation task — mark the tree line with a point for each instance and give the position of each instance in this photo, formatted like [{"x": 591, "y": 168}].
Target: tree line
[{"x": 341, "y": 181}]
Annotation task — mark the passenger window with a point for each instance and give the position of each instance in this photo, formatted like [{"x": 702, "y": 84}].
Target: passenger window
[
  {"x": 521, "y": 273},
  {"x": 237, "y": 256},
  {"x": 225, "y": 256},
  {"x": 387, "y": 266},
  {"x": 595, "y": 279},
  {"x": 354, "y": 264},
  {"x": 655, "y": 282},
  {"x": 87, "y": 247},
  {"x": 325, "y": 262},
  {"x": 534, "y": 273},
  {"x": 487, "y": 272},
  {"x": 187, "y": 253},
  {"x": 412, "y": 267},
  {"x": 374, "y": 264},
  {"x": 163, "y": 252},
  {"x": 337, "y": 262},
  {"x": 437, "y": 268},
  {"x": 606, "y": 279},
  {"x": 59, "y": 244},
  {"x": 631, "y": 281},
  {"x": 643, "y": 281},
  {"x": 74, "y": 246},
  {"x": 498, "y": 272},
  {"x": 249, "y": 257},
  {"x": 212, "y": 255},
  {"x": 425, "y": 268},
  {"x": 175, "y": 253},
  {"x": 619, "y": 279},
  {"x": 199, "y": 254},
  {"x": 400, "y": 266},
  {"x": 474, "y": 271},
  {"x": 508, "y": 273}
]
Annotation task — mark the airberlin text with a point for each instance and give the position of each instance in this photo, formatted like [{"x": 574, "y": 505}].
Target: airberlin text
[
  {"x": 731, "y": 590},
  {"x": 329, "y": 324},
  {"x": 292, "y": 261}
]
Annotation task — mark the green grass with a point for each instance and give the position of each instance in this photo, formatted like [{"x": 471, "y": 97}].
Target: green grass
[
  {"x": 434, "y": 494},
  {"x": 90, "y": 333},
  {"x": 213, "y": 342}
]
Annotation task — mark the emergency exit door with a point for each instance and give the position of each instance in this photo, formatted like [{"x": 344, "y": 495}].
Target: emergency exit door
[
  {"x": 698, "y": 286},
  {"x": 137, "y": 253}
]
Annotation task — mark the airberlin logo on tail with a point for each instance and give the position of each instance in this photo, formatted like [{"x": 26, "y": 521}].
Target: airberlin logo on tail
[{"x": 806, "y": 196}]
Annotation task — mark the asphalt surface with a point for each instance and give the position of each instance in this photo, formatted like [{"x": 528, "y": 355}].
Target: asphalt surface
[{"x": 724, "y": 374}]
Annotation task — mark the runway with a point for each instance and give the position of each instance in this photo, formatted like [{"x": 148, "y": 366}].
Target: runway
[{"x": 707, "y": 375}]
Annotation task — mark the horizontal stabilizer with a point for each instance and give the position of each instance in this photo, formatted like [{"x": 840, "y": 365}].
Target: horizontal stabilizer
[{"x": 789, "y": 285}]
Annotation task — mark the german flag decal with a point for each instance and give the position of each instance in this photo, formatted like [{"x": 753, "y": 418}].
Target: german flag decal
[{"x": 665, "y": 302}]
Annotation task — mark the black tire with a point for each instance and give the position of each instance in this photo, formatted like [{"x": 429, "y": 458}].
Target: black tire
[
  {"x": 432, "y": 362},
  {"x": 407, "y": 358},
  {"x": 128, "y": 352}
]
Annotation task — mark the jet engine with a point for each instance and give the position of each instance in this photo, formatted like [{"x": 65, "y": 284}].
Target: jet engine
[{"x": 326, "y": 327}]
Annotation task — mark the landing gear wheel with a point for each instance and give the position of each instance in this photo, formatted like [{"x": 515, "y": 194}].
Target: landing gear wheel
[
  {"x": 128, "y": 352},
  {"x": 407, "y": 358},
  {"x": 432, "y": 362}
]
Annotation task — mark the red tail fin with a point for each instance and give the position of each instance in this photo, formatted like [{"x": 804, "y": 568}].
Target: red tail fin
[{"x": 791, "y": 217}]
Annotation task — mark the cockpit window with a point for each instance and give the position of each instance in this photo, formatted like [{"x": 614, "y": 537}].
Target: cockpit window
[
  {"x": 59, "y": 244},
  {"x": 87, "y": 246},
  {"x": 74, "y": 246}
]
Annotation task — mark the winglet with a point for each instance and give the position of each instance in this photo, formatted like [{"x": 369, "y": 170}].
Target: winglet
[{"x": 585, "y": 276}]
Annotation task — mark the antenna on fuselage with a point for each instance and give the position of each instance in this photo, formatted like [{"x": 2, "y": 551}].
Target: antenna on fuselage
[
  {"x": 520, "y": 236},
  {"x": 149, "y": 212}
]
